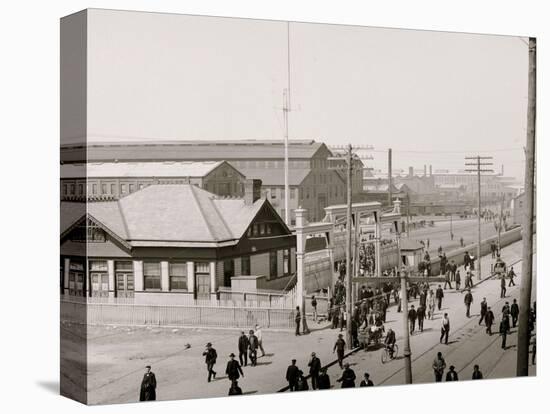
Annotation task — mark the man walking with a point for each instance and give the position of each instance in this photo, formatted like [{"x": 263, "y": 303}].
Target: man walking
[
  {"x": 258, "y": 333},
  {"x": 451, "y": 375},
  {"x": 511, "y": 275},
  {"x": 489, "y": 320},
  {"x": 483, "y": 311},
  {"x": 506, "y": 314},
  {"x": 445, "y": 328},
  {"x": 210, "y": 355},
  {"x": 468, "y": 300},
  {"x": 314, "y": 307},
  {"x": 431, "y": 304},
  {"x": 421, "y": 315},
  {"x": 292, "y": 373},
  {"x": 253, "y": 346},
  {"x": 243, "y": 349},
  {"x": 297, "y": 320},
  {"x": 412, "y": 319},
  {"x": 314, "y": 369},
  {"x": 148, "y": 390},
  {"x": 457, "y": 280},
  {"x": 339, "y": 348},
  {"x": 348, "y": 377},
  {"x": 233, "y": 369},
  {"x": 503, "y": 330},
  {"x": 514, "y": 312},
  {"x": 477, "y": 375},
  {"x": 502, "y": 287},
  {"x": 439, "y": 296},
  {"x": 448, "y": 279},
  {"x": 439, "y": 366}
]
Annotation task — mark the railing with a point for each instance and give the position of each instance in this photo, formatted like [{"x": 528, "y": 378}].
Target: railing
[{"x": 174, "y": 315}]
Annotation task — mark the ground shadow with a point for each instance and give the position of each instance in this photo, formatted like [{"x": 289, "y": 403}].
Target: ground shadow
[
  {"x": 250, "y": 392},
  {"x": 51, "y": 386},
  {"x": 267, "y": 355},
  {"x": 452, "y": 342},
  {"x": 263, "y": 363}
]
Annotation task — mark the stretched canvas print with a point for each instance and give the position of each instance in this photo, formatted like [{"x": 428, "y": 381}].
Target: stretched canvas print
[{"x": 253, "y": 206}]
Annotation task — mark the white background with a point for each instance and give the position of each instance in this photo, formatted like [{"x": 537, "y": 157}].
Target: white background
[{"x": 29, "y": 128}]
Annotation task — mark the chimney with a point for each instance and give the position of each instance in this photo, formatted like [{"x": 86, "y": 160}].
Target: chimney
[
  {"x": 430, "y": 170},
  {"x": 252, "y": 191},
  {"x": 411, "y": 172},
  {"x": 425, "y": 171}
]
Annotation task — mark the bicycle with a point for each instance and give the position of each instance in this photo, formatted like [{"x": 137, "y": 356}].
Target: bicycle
[{"x": 385, "y": 355}]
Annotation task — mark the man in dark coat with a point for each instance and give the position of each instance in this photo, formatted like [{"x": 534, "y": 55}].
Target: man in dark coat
[
  {"x": 457, "y": 280},
  {"x": 412, "y": 319},
  {"x": 253, "y": 344},
  {"x": 439, "y": 296},
  {"x": 503, "y": 330},
  {"x": 314, "y": 369},
  {"x": 148, "y": 391},
  {"x": 514, "y": 312},
  {"x": 301, "y": 382},
  {"x": 233, "y": 368},
  {"x": 292, "y": 373},
  {"x": 339, "y": 348},
  {"x": 502, "y": 287},
  {"x": 421, "y": 315},
  {"x": 489, "y": 320},
  {"x": 210, "y": 355},
  {"x": 297, "y": 320},
  {"x": 511, "y": 275},
  {"x": 348, "y": 377},
  {"x": 366, "y": 381},
  {"x": 451, "y": 375},
  {"x": 243, "y": 349},
  {"x": 468, "y": 300},
  {"x": 483, "y": 311},
  {"x": 235, "y": 389},
  {"x": 324, "y": 380},
  {"x": 439, "y": 367},
  {"x": 448, "y": 277},
  {"x": 466, "y": 260},
  {"x": 477, "y": 375}
]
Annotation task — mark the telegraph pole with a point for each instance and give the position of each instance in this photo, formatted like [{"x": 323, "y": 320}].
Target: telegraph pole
[
  {"x": 286, "y": 109},
  {"x": 389, "y": 178},
  {"x": 478, "y": 164},
  {"x": 527, "y": 228},
  {"x": 349, "y": 275},
  {"x": 405, "y": 309},
  {"x": 451, "y": 229}
]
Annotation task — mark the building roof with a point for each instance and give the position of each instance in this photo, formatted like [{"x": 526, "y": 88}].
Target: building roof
[
  {"x": 276, "y": 176},
  {"x": 140, "y": 169},
  {"x": 191, "y": 150},
  {"x": 408, "y": 244},
  {"x": 178, "y": 214}
]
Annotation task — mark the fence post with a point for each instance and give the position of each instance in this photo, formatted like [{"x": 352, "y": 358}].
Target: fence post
[{"x": 268, "y": 317}]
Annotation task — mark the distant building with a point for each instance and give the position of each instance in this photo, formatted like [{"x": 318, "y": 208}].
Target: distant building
[
  {"x": 314, "y": 185},
  {"x": 112, "y": 180},
  {"x": 517, "y": 208},
  {"x": 168, "y": 241}
]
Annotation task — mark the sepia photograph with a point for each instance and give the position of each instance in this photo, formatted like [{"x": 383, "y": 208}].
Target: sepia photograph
[{"x": 253, "y": 206}]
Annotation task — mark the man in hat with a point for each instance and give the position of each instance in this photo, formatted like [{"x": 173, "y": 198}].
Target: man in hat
[
  {"x": 489, "y": 320},
  {"x": 439, "y": 296},
  {"x": 439, "y": 367},
  {"x": 514, "y": 312},
  {"x": 243, "y": 349},
  {"x": 421, "y": 315},
  {"x": 314, "y": 369},
  {"x": 292, "y": 373},
  {"x": 253, "y": 346},
  {"x": 502, "y": 287},
  {"x": 235, "y": 389},
  {"x": 476, "y": 375},
  {"x": 366, "y": 381},
  {"x": 324, "y": 380},
  {"x": 297, "y": 319},
  {"x": 483, "y": 311},
  {"x": 468, "y": 300},
  {"x": 511, "y": 275},
  {"x": 503, "y": 330},
  {"x": 445, "y": 328},
  {"x": 348, "y": 377},
  {"x": 148, "y": 391},
  {"x": 451, "y": 375},
  {"x": 412, "y": 319},
  {"x": 233, "y": 368},
  {"x": 258, "y": 333},
  {"x": 340, "y": 347},
  {"x": 210, "y": 355}
]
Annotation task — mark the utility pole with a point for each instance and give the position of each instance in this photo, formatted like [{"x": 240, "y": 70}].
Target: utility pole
[
  {"x": 408, "y": 213},
  {"x": 451, "y": 229},
  {"x": 404, "y": 309},
  {"x": 500, "y": 220},
  {"x": 527, "y": 228},
  {"x": 349, "y": 276},
  {"x": 389, "y": 178},
  {"x": 478, "y": 164},
  {"x": 286, "y": 109}
]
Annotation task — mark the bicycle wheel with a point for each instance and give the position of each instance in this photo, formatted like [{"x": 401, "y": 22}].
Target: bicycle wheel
[
  {"x": 395, "y": 351},
  {"x": 384, "y": 356}
]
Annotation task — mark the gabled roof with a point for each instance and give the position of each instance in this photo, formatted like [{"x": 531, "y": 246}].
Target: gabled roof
[
  {"x": 178, "y": 214},
  {"x": 140, "y": 169},
  {"x": 276, "y": 176}
]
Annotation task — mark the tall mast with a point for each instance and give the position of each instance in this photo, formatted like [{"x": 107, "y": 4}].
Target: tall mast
[{"x": 286, "y": 110}]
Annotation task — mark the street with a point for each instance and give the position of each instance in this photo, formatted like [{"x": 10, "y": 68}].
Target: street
[{"x": 118, "y": 355}]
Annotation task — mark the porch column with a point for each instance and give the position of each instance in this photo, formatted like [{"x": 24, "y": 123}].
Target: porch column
[
  {"x": 66, "y": 276},
  {"x": 190, "y": 277},
  {"x": 300, "y": 252},
  {"x": 213, "y": 285},
  {"x": 378, "y": 244},
  {"x": 138, "y": 275},
  {"x": 111, "y": 273},
  {"x": 164, "y": 276}
]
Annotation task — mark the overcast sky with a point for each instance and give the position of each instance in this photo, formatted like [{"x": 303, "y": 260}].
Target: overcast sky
[{"x": 432, "y": 97}]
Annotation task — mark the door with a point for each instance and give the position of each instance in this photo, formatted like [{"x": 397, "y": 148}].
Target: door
[
  {"x": 124, "y": 279},
  {"x": 77, "y": 285},
  {"x": 203, "y": 286},
  {"x": 228, "y": 272},
  {"x": 100, "y": 284}
]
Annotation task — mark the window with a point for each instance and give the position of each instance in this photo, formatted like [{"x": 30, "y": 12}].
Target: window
[
  {"x": 112, "y": 189},
  {"x": 262, "y": 229},
  {"x": 268, "y": 228},
  {"x": 80, "y": 189},
  {"x": 292, "y": 193},
  {"x": 131, "y": 187},
  {"x": 273, "y": 263},
  {"x": 94, "y": 188},
  {"x": 151, "y": 275},
  {"x": 99, "y": 277},
  {"x": 245, "y": 265},
  {"x": 103, "y": 188},
  {"x": 72, "y": 189},
  {"x": 286, "y": 261},
  {"x": 88, "y": 231},
  {"x": 123, "y": 188},
  {"x": 64, "y": 189},
  {"x": 254, "y": 229},
  {"x": 273, "y": 192},
  {"x": 178, "y": 276}
]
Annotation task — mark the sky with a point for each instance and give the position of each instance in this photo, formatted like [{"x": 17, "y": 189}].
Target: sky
[{"x": 432, "y": 97}]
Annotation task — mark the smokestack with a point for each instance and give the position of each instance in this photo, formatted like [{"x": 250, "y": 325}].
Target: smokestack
[
  {"x": 425, "y": 170},
  {"x": 252, "y": 191},
  {"x": 430, "y": 170},
  {"x": 411, "y": 172},
  {"x": 389, "y": 177}
]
